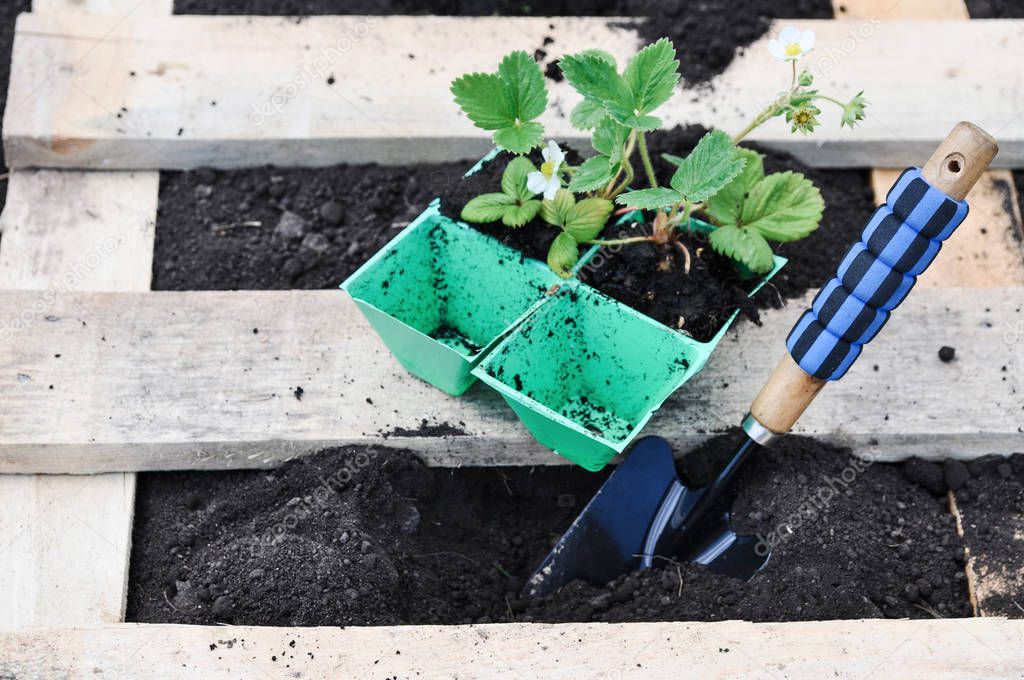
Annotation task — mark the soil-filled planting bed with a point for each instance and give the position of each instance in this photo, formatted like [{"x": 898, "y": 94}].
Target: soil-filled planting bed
[{"x": 367, "y": 536}]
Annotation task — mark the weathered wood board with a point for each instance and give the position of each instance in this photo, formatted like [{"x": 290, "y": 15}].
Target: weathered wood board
[
  {"x": 168, "y": 380},
  {"x": 947, "y": 649},
  {"x": 65, "y": 540},
  {"x": 183, "y": 92}
]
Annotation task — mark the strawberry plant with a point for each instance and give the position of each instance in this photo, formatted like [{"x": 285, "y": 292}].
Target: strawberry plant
[{"x": 719, "y": 181}]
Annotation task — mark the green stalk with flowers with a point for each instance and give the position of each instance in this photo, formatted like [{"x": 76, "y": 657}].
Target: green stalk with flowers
[{"x": 718, "y": 180}]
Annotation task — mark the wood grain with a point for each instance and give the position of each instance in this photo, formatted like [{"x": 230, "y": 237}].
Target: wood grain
[
  {"x": 167, "y": 380},
  {"x": 141, "y": 94},
  {"x": 65, "y": 541},
  {"x": 946, "y": 649}
]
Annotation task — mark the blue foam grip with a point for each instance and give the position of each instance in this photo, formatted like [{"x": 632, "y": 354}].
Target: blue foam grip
[
  {"x": 900, "y": 240},
  {"x": 813, "y": 346},
  {"x": 872, "y": 280},
  {"x": 929, "y": 211},
  {"x": 897, "y": 244},
  {"x": 847, "y": 316}
]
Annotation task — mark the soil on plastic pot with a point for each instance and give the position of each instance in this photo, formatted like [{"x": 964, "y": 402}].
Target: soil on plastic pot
[
  {"x": 368, "y": 536},
  {"x": 707, "y": 34}
]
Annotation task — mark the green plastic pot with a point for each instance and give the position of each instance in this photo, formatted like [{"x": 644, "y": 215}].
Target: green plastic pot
[
  {"x": 584, "y": 372},
  {"x": 441, "y": 295}
]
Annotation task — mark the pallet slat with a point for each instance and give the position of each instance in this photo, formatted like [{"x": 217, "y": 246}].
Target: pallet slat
[
  {"x": 166, "y": 380},
  {"x": 71, "y": 231},
  {"x": 141, "y": 94},
  {"x": 958, "y": 649}
]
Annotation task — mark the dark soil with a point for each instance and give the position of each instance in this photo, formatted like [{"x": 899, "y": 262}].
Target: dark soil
[
  {"x": 366, "y": 536},
  {"x": 277, "y": 229},
  {"x": 707, "y": 33},
  {"x": 849, "y": 202},
  {"x": 995, "y": 9},
  {"x": 990, "y": 495},
  {"x": 649, "y": 278},
  {"x": 9, "y": 11}
]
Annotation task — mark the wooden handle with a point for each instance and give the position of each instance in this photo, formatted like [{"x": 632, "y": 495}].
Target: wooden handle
[{"x": 958, "y": 162}]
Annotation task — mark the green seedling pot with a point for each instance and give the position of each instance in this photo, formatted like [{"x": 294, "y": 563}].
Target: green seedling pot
[
  {"x": 585, "y": 372},
  {"x": 441, "y": 294}
]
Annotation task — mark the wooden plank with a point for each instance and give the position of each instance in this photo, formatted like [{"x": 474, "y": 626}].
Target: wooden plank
[
  {"x": 65, "y": 540},
  {"x": 269, "y": 78},
  {"x": 169, "y": 380},
  {"x": 954, "y": 649}
]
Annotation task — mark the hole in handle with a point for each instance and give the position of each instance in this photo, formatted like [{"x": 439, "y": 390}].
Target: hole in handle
[{"x": 955, "y": 163}]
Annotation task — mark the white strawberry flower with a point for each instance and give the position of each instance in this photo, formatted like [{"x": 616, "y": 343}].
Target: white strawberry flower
[
  {"x": 791, "y": 44},
  {"x": 547, "y": 181}
]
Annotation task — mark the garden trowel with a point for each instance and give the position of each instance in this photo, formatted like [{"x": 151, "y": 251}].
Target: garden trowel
[{"x": 644, "y": 513}]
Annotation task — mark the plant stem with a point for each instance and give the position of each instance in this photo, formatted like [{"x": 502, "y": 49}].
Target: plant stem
[
  {"x": 835, "y": 101},
  {"x": 646, "y": 158},
  {"x": 611, "y": 190},
  {"x": 618, "y": 241}
]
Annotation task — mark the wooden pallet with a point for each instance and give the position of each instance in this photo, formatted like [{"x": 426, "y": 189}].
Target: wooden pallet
[{"x": 132, "y": 391}]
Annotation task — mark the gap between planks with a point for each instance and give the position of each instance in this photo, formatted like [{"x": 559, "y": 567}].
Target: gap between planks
[
  {"x": 136, "y": 387},
  {"x": 944, "y": 649},
  {"x": 75, "y": 102}
]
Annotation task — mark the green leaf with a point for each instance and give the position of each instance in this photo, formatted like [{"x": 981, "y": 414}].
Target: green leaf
[
  {"x": 709, "y": 167},
  {"x": 610, "y": 139},
  {"x": 506, "y": 101},
  {"x": 652, "y": 75},
  {"x": 513, "y": 180},
  {"x": 588, "y": 218},
  {"x": 784, "y": 206},
  {"x": 525, "y": 91},
  {"x": 558, "y": 210},
  {"x": 587, "y": 114},
  {"x": 595, "y": 78},
  {"x": 744, "y": 245},
  {"x": 726, "y": 204},
  {"x": 603, "y": 55},
  {"x": 520, "y": 214},
  {"x": 482, "y": 97},
  {"x": 563, "y": 255},
  {"x": 520, "y": 138},
  {"x": 487, "y": 208},
  {"x": 593, "y": 174},
  {"x": 630, "y": 119},
  {"x": 673, "y": 159},
  {"x": 650, "y": 198}
]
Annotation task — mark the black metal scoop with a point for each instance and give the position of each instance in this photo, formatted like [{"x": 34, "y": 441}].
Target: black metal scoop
[{"x": 643, "y": 513}]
